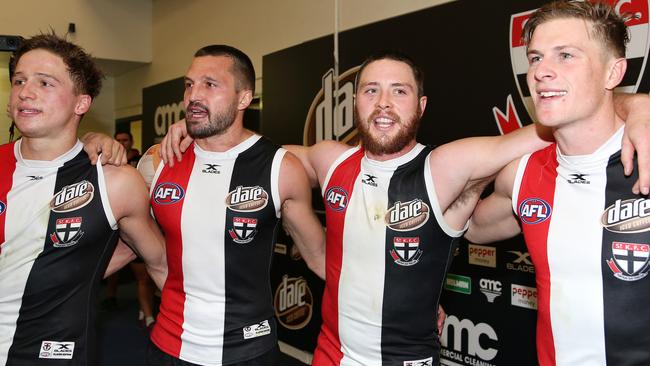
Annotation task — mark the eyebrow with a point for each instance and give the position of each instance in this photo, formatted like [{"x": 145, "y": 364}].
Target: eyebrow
[
  {"x": 41, "y": 74},
  {"x": 556, "y": 48},
  {"x": 375, "y": 83}
]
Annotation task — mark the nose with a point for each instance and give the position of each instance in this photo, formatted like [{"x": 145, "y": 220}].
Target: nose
[
  {"x": 193, "y": 93},
  {"x": 384, "y": 101},
  {"x": 544, "y": 69},
  {"x": 25, "y": 91}
]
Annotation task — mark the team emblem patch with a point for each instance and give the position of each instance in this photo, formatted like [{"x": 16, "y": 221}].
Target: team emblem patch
[
  {"x": 422, "y": 362},
  {"x": 629, "y": 261},
  {"x": 247, "y": 199},
  {"x": 636, "y": 53},
  {"x": 3, "y": 207},
  {"x": 407, "y": 216},
  {"x": 627, "y": 216},
  {"x": 73, "y": 197},
  {"x": 336, "y": 198},
  {"x": 406, "y": 251},
  {"x": 67, "y": 232},
  {"x": 244, "y": 230},
  {"x": 534, "y": 210},
  {"x": 56, "y": 350},
  {"x": 167, "y": 193}
]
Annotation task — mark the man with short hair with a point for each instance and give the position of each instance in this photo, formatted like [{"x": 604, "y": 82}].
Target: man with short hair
[
  {"x": 59, "y": 214},
  {"x": 585, "y": 230},
  {"x": 220, "y": 209}
]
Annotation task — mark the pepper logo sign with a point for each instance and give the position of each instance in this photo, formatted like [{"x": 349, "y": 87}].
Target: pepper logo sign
[
  {"x": 637, "y": 49},
  {"x": 321, "y": 123}
]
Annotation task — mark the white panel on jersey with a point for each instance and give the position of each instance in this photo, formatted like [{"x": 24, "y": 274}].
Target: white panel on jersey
[
  {"x": 203, "y": 222},
  {"x": 575, "y": 258}
]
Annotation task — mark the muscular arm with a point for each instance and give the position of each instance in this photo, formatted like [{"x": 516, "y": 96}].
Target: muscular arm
[
  {"x": 493, "y": 219},
  {"x": 318, "y": 158},
  {"x": 121, "y": 257},
  {"x": 130, "y": 203},
  {"x": 298, "y": 218}
]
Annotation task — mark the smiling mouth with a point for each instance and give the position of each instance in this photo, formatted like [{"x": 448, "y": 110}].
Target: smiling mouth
[{"x": 551, "y": 94}]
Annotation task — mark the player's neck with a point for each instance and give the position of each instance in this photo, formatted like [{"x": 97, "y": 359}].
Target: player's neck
[
  {"x": 46, "y": 149},
  {"x": 385, "y": 157},
  {"x": 232, "y": 137},
  {"x": 586, "y": 136}
]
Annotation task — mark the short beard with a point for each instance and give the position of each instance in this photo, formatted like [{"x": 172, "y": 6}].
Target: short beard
[
  {"x": 218, "y": 123},
  {"x": 407, "y": 133}
]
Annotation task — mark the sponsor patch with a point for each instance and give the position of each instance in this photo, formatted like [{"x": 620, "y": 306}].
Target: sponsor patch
[
  {"x": 247, "y": 199},
  {"x": 629, "y": 261},
  {"x": 522, "y": 263},
  {"x": 422, "y": 362},
  {"x": 56, "y": 350},
  {"x": 406, "y": 251},
  {"x": 407, "y": 216},
  {"x": 293, "y": 302},
  {"x": 369, "y": 180},
  {"x": 3, "y": 207},
  {"x": 167, "y": 193},
  {"x": 72, "y": 197},
  {"x": 211, "y": 169},
  {"x": 458, "y": 283},
  {"x": 534, "y": 210},
  {"x": 336, "y": 198},
  {"x": 523, "y": 296},
  {"x": 280, "y": 248},
  {"x": 67, "y": 232},
  {"x": 490, "y": 288},
  {"x": 482, "y": 255},
  {"x": 257, "y": 330},
  {"x": 627, "y": 216},
  {"x": 243, "y": 230}
]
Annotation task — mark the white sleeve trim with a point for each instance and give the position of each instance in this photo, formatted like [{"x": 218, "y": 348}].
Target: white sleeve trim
[
  {"x": 521, "y": 168},
  {"x": 275, "y": 180},
  {"x": 336, "y": 163},
  {"x": 103, "y": 193}
]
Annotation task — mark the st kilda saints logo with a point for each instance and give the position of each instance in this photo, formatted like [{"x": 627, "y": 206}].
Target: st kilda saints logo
[
  {"x": 629, "y": 261},
  {"x": 247, "y": 199},
  {"x": 406, "y": 251},
  {"x": 293, "y": 302},
  {"x": 73, "y": 197},
  {"x": 243, "y": 230},
  {"x": 67, "y": 232},
  {"x": 407, "y": 216},
  {"x": 636, "y": 54},
  {"x": 331, "y": 114},
  {"x": 627, "y": 216}
]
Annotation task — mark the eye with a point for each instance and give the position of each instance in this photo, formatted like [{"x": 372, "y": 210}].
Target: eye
[
  {"x": 46, "y": 83},
  {"x": 370, "y": 91},
  {"x": 565, "y": 56},
  {"x": 533, "y": 59},
  {"x": 188, "y": 85},
  {"x": 19, "y": 82},
  {"x": 211, "y": 84},
  {"x": 400, "y": 91}
]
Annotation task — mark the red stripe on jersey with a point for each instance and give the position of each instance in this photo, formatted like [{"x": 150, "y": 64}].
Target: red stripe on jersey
[
  {"x": 7, "y": 168},
  {"x": 328, "y": 351},
  {"x": 169, "y": 323},
  {"x": 538, "y": 187}
]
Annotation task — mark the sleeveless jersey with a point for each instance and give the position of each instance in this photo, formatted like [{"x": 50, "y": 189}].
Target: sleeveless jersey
[
  {"x": 589, "y": 239},
  {"x": 388, "y": 251},
  {"x": 219, "y": 212},
  {"x": 57, "y": 234}
]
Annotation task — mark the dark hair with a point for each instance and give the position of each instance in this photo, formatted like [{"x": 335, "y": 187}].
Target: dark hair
[
  {"x": 123, "y": 132},
  {"x": 608, "y": 26},
  {"x": 418, "y": 74},
  {"x": 242, "y": 66},
  {"x": 85, "y": 75}
]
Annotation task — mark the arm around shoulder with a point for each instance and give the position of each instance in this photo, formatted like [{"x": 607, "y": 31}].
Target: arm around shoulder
[{"x": 318, "y": 158}]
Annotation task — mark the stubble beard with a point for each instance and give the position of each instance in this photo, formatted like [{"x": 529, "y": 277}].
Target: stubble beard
[{"x": 218, "y": 122}]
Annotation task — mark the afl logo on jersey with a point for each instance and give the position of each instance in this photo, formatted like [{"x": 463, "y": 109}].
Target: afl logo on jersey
[
  {"x": 247, "y": 199},
  {"x": 3, "y": 207},
  {"x": 73, "y": 197},
  {"x": 407, "y": 216},
  {"x": 336, "y": 198},
  {"x": 167, "y": 193},
  {"x": 534, "y": 211}
]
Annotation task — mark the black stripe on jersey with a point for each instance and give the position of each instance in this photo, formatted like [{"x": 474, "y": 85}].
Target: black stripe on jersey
[
  {"x": 627, "y": 321},
  {"x": 61, "y": 291},
  {"x": 248, "y": 265},
  {"x": 412, "y": 292}
]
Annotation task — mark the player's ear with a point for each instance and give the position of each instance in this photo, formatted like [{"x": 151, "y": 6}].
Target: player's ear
[
  {"x": 616, "y": 71},
  {"x": 83, "y": 104},
  {"x": 245, "y": 99}
]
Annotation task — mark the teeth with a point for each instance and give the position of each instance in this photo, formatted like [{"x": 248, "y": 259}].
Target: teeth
[
  {"x": 552, "y": 94},
  {"x": 383, "y": 120}
]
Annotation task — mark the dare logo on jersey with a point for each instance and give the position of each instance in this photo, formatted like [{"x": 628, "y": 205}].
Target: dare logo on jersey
[
  {"x": 627, "y": 216},
  {"x": 406, "y": 216},
  {"x": 406, "y": 251},
  {"x": 243, "y": 230},
  {"x": 534, "y": 211},
  {"x": 67, "y": 232},
  {"x": 72, "y": 197},
  {"x": 3, "y": 207},
  {"x": 247, "y": 199},
  {"x": 293, "y": 302},
  {"x": 167, "y": 193},
  {"x": 629, "y": 261},
  {"x": 336, "y": 198}
]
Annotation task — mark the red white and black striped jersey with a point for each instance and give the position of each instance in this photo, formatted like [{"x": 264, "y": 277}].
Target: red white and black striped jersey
[
  {"x": 219, "y": 212},
  {"x": 57, "y": 234},
  {"x": 589, "y": 238},
  {"x": 388, "y": 251}
]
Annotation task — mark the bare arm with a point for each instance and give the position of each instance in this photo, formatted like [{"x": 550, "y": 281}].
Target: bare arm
[
  {"x": 97, "y": 143},
  {"x": 121, "y": 257},
  {"x": 635, "y": 110},
  {"x": 298, "y": 218},
  {"x": 493, "y": 219},
  {"x": 318, "y": 158},
  {"x": 137, "y": 227}
]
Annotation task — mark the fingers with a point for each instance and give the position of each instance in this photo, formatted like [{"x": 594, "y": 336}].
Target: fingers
[
  {"x": 627, "y": 155},
  {"x": 165, "y": 148}
]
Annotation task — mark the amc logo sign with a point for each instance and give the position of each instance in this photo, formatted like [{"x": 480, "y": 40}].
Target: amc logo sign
[
  {"x": 534, "y": 211},
  {"x": 468, "y": 338},
  {"x": 293, "y": 302},
  {"x": 167, "y": 193}
]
